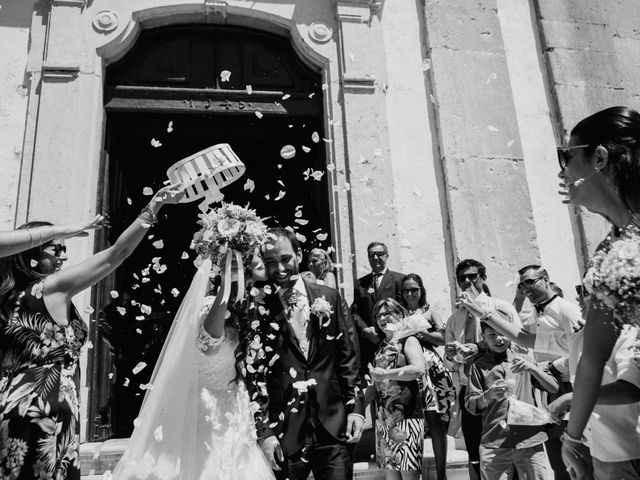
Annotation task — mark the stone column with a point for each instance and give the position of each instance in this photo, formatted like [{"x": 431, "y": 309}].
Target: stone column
[
  {"x": 481, "y": 161},
  {"x": 369, "y": 174},
  {"x": 59, "y": 178},
  {"x": 591, "y": 50}
]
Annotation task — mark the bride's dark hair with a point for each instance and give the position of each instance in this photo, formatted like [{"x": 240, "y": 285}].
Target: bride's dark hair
[{"x": 240, "y": 322}]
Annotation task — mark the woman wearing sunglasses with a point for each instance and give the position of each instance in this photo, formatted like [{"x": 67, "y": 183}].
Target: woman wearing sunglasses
[
  {"x": 600, "y": 170},
  {"x": 438, "y": 391},
  {"x": 41, "y": 336}
]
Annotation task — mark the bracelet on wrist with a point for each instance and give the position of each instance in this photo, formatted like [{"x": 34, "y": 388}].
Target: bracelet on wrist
[
  {"x": 147, "y": 216},
  {"x": 566, "y": 437}
]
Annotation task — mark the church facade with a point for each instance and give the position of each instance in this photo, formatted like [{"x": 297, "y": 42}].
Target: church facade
[{"x": 431, "y": 125}]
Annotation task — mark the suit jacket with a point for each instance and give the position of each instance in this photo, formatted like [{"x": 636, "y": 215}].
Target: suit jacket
[
  {"x": 332, "y": 362},
  {"x": 365, "y": 297}
]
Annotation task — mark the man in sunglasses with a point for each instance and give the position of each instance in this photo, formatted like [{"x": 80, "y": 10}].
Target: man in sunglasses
[
  {"x": 380, "y": 283},
  {"x": 463, "y": 342},
  {"x": 549, "y": 328}
]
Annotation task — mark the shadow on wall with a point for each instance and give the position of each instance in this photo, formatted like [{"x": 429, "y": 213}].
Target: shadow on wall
[{"x": 16, "y": 13}]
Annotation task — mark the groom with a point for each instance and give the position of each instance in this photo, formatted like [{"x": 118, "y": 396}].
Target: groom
[{"x": 313, "y": 404}]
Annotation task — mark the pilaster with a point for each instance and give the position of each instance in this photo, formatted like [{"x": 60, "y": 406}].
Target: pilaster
[{"x": 490, "y": 214}]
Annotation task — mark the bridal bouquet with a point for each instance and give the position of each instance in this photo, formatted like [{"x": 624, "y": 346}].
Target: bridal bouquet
[
  {"x": 229, "y": 231},
  {"x": 614, "y": 277}
]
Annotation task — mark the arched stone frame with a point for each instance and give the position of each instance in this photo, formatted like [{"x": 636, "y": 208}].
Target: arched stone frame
[
  {"x": 327, "y": 65},
  {"x": 324, "y": 60}
]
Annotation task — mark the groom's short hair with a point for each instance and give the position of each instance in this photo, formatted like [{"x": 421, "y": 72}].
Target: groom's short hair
[{"x": 280, "y": 232}]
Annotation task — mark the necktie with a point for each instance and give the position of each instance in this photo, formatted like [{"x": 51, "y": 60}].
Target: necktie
[
  {"x": 376, "y": 277},
  {"x": 297, "y": 319}
]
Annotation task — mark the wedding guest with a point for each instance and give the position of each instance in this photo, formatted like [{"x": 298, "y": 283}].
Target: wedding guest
[
  {"x": 41, "y": 336},
  {"x": 322, "y": 267},
  {"x": 381, "y": 283},
  {"x": 613, "y": 431},
  {"x": 548, "y": 330},
  {"x": 600, "y": 171},
  {"x": 505, "y": 448},
  {"x": 399, "y": 423},
  {"x": 463, "y": 341},
  {"x": 309, "y": 276},
  {"x": 438, "y": 390},
  {"x": 16, "y": 241},
  {"x": 552, "y": 323}
]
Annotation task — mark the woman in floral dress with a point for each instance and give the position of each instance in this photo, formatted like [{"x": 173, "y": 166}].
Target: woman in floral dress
[
  {"x": 398, "y": 369},
  {"x": 41, "y": 335},
  {"x": 438, "y": 391}
]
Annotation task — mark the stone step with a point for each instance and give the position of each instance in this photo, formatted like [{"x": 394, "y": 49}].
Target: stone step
[{"x": 96, "y": 459}]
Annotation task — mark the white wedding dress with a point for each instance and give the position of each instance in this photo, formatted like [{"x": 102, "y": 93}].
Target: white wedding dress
[{"x": 196, "y": 423}]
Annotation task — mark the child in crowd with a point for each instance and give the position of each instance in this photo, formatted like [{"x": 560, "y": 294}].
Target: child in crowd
[{"x": 503, "y": 447}]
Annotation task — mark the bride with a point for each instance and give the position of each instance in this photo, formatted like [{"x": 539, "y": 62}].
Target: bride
[{"x": 196, "y": 421}]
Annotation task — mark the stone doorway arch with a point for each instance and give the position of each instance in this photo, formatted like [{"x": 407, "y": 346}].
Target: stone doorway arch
[{"x": 165, "y": 100}]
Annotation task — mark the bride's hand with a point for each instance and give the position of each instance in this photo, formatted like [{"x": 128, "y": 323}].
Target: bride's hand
[{"x": 272, "y": 451}]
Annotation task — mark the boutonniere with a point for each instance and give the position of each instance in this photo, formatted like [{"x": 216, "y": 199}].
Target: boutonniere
[{"x": 322, "y": 309}]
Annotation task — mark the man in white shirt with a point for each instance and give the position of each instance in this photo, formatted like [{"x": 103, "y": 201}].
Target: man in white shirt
[{"x": 552, "y": 325}]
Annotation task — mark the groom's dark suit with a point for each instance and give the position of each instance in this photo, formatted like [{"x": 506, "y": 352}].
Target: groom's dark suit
[{"x": 295, "y": 416}]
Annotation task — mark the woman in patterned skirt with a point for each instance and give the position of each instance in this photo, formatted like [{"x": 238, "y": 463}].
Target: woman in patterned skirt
[
  {"x": 41, "y": 334},
  {"x": 398, "y": 367},
  {"x": 439, "y": 392}
]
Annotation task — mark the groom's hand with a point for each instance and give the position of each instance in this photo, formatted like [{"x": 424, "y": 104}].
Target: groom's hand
[
  {"x": 355, "y": 424},
  {"x": 272, "y": 451}
]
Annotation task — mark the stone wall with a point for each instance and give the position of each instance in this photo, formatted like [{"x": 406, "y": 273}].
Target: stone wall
[
  {"x": 15, "y": 25},
  {"x": 591, "y": 51}
]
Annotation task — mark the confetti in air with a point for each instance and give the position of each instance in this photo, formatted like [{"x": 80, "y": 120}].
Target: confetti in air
[
  {"x": 147, "y": 191},
  {"x": 249, "y": 185},
  {"x": 155, "y": 143},
  {"x": 138, "y": 368},
  {"x": 170, "y": 127},
  {"x": 287, "y": 152},
  {"x": 114, "y": 294},
  {"x": 259, "y": 114},
  {"x": 225, "y": 75},
  {"x": 158, "y": 244}
]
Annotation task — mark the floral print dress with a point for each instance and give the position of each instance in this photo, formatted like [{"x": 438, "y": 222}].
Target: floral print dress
[
  {"x": 438, "y": 389},
  {"x": 399, "y": 422},
  {"x": 39, "y": 402}
]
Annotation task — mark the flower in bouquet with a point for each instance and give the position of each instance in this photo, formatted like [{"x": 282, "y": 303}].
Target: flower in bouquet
[
  {"x": 229, "y": 227},
  {"x": 614, "y": 276}
]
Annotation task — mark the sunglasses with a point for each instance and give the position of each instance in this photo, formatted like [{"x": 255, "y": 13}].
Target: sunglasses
[
  {"x": 410, "y": 290},
  {"x": 471, "y": 276},
  {"x": 376, "y": 254},
  {"x": 528, "y": 283},
  {"x": 58, "y": 249},
  {"x": 563, "y": 158}
]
